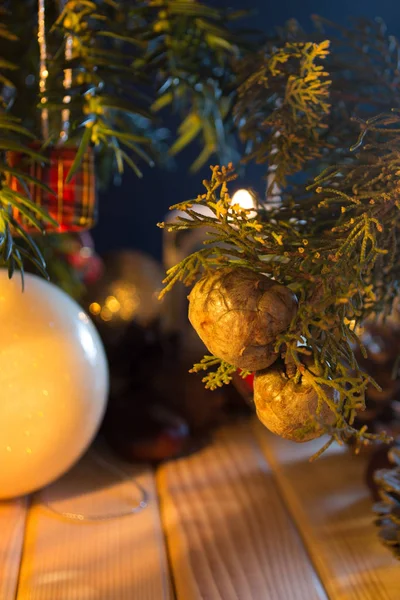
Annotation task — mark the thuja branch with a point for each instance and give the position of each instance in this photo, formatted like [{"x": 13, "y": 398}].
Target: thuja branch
[
  {"x": 335, "y": 268},
  {"x": 283, "y": 105},
  {"x": 221, "y": 374}
]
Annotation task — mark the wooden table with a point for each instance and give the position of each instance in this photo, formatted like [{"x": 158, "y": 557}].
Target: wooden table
[{"x": 246, "y": 518}]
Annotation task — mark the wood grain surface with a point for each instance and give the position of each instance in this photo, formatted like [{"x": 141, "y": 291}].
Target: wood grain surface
[
  {"x": 12, "y": 525},
  {"x": 228, "y": 532},
  {"x": 246, "y": 518},
  {"x": 330, "y": 503},
  {"x": 121, "y": 558}
]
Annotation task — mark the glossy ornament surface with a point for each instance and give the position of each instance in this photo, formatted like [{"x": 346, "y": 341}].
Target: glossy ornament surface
[{"x": 54, "y": 383}]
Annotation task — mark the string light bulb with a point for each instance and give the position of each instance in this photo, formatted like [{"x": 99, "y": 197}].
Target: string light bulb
[{"x": 246, "y": 200}]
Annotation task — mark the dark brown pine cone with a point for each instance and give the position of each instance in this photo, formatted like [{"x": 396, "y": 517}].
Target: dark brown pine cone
[
  {"x": 378, "y": 459},
  {"x": 387, "y": 511},
  {"x": 382, "y": 343}
]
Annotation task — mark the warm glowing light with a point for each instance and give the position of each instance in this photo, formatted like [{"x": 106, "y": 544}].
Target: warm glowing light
[
  {"x": 106, "y": 314},
  {"x": 244, "y": 198},
  {"x": 113, "y": 304},
  {"x": 129, "y": 308},
  {"x": 95, "y": 308},
  {"x": 126, "y": 298}
]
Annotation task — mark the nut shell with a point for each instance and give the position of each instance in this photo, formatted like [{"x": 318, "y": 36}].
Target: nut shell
[
  {"x": 288, "y": 408},
  {"x": 238, "y": 314}
]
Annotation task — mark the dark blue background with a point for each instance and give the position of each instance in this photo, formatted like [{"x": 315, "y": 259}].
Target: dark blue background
[{"x": 129, "y": 213}]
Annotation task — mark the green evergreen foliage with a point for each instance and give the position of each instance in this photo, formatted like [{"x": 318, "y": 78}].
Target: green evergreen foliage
[
  {"x": 305, "y": 115},
  {"x": 14, "y": 136},
  {"x": 336, "y": 249},
  {"x": 296, "y": 102},
  {"x": 282, "y": 105},
  {"x": 125, "y": 61},
  {"x": 327, "y": 113}
]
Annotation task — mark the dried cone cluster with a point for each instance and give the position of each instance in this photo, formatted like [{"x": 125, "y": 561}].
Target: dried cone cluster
[{"x": 238, "y": 315}]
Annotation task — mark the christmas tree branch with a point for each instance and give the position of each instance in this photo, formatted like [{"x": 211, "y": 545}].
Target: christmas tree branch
[
  {"x": 13, "y": 137},
  {"x": 194, "y": 48}
]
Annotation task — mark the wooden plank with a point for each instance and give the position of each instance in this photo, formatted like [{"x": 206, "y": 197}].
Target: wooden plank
[
  {"x": 330, "y": 504},
  {"x": 229, "y": 535},
  {"x": 120, "y": 558},
  {"x": 12, "y": 526}
]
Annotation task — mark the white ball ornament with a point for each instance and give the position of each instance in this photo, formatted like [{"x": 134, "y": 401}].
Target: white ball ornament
[{"x": 53, "y": 382}]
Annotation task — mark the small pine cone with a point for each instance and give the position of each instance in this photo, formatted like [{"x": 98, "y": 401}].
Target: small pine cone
[
  {"x": 289, "y": 409},
  {"x": 381, "y": 342},
  {"x": 377, "y": 460},
  {"x": 238, "y": 314},
  {"x": 388, "y": 510}
]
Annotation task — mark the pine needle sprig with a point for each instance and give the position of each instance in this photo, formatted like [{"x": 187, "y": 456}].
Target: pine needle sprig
[
  {"x": 15, "y": 137},
  {"x": 194, "y": 46},
  {"x": 103, "y": 52}
]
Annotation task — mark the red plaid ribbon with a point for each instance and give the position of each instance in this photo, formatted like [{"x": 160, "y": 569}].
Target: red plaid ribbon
[{"x": 74, "y": 204}]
